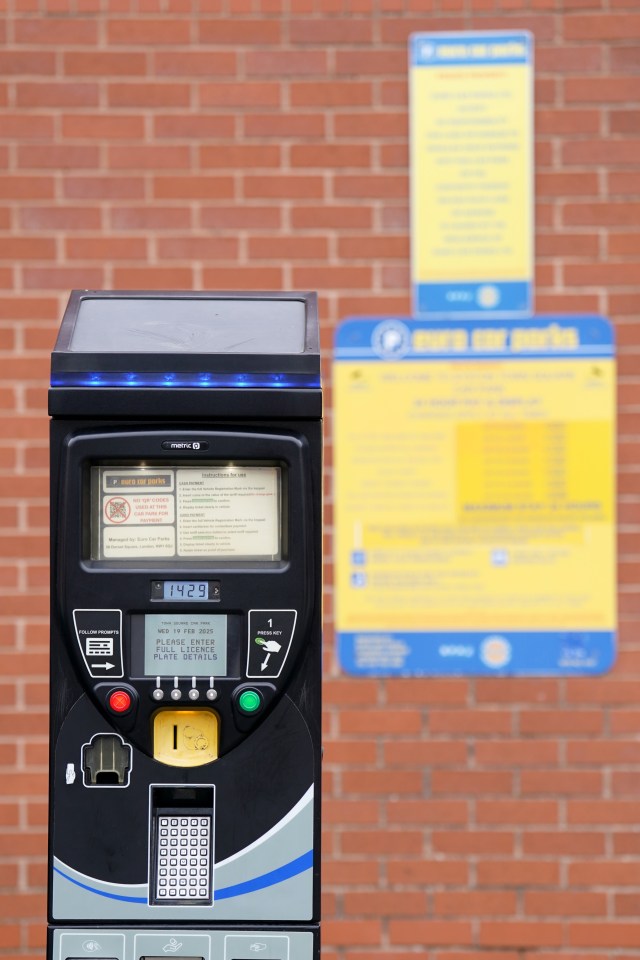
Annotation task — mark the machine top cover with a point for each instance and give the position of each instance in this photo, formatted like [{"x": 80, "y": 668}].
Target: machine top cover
[{"x": 187, "y": 325}]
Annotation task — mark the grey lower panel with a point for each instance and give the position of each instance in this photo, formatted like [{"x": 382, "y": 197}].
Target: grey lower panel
[
  {"x": 131, "y": 944},
  {"x": 270, "y": 880}
]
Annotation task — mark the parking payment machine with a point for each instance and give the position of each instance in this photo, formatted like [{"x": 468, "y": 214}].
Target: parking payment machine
[{"x": 185, "y": 628}]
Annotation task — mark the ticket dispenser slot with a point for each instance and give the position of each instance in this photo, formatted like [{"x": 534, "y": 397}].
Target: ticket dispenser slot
[{"x": 186, "y": 480}]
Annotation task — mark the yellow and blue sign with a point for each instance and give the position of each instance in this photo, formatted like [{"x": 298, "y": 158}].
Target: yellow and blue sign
[
  {"x": 475, "y": 496},
  {"x": 471, "y": 112}
]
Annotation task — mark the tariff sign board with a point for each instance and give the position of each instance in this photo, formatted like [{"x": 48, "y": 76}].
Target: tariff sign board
[
  {"x": 474, "y": 497},
  {"x": 471, "y": 112}
]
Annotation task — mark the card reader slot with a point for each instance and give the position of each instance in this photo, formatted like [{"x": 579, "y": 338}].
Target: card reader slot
[{"x": 106, "y": 761}]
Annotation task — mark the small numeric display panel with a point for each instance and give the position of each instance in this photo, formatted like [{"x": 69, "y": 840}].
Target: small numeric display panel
[{"x": 185, "y": 590}]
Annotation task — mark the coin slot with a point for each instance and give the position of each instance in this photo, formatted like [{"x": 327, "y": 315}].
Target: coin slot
[{"x": 184, "y": 737}]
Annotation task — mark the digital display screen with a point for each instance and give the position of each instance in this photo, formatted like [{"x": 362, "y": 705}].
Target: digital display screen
[
  {"x": 185, "y": 645},
  {"x": 193, "y": 512},
  {"x": 185, "y": 590}
]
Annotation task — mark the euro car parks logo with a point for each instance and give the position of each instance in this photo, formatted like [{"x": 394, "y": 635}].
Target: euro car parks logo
[
  {"x": 488, "y": 296},
  {"x": 391, "y": 339},
  {"x": 495, "y": 651}
]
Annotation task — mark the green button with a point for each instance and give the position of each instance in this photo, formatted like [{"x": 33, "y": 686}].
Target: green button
[{"x": 249, "y": 701}]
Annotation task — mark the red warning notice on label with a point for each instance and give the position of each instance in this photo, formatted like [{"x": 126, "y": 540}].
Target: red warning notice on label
[
  {"x": 117, "y": 510},
  {"x": 139, "y": 509}
]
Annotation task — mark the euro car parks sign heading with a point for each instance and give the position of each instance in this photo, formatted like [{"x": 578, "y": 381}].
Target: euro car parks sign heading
[
  {"x": 474, "y": 496},
  {"x": 471, "y": 110}
]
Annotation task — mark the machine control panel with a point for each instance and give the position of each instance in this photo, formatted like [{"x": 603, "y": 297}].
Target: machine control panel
[{"x": 194, "y": 635}]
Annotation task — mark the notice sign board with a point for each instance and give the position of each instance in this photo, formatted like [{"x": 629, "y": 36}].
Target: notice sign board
[
  {"x": 474, "y": 497},
  {"x": 216, "y": 511},
  {"x": 471, "y": 109}
]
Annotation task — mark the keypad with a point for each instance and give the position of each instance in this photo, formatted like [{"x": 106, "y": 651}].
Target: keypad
[{"x": 184, "y": 859}]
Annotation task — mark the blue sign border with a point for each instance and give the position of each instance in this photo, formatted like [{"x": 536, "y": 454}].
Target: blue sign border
[
  {"x": 363, "y": 338},
  {"x": 501, "y": 298},
  {"x": 381, "y": 653},
  {"x": 470, "y": 47},
  {"x": 483, "y": 653}
]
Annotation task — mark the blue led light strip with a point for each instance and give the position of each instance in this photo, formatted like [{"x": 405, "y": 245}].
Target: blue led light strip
[{"x": 118, "y": 378}]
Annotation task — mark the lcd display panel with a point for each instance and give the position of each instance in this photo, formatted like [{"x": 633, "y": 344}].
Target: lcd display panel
[
  {"x": 185, "y": 644},
  {"x": 194, "y": 512}
]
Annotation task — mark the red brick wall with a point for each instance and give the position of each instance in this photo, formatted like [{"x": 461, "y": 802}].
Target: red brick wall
[{"x": 263, "y": 143}]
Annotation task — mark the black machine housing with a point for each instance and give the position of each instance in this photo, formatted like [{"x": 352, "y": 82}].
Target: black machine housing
[{"x": 247, "y": 808}]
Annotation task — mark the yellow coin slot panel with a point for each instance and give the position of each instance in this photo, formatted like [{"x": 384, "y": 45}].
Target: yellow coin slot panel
[{"x": 185, "y": 738}]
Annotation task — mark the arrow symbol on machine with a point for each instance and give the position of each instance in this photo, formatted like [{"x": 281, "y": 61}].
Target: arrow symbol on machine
[
  {"x": 269, "y": 646},
  {"x": 102, "y": 666}
]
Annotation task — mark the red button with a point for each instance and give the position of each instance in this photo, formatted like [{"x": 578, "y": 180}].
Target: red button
[{"x": 119, "y": 701}]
